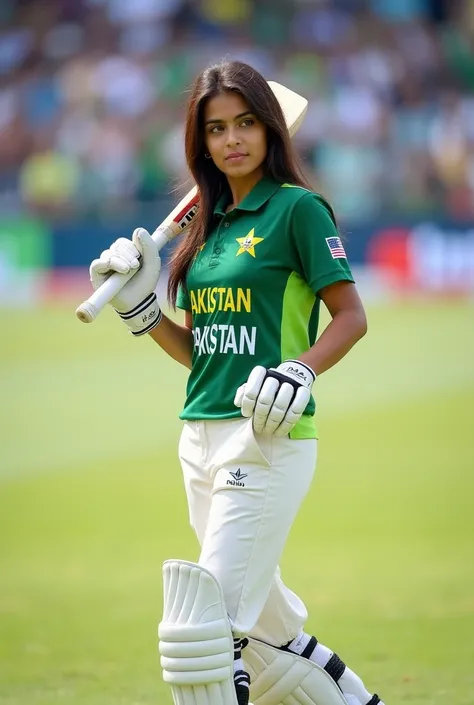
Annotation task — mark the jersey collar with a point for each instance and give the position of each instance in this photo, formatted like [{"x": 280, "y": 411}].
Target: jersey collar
[{"x": 260, "y": 194}]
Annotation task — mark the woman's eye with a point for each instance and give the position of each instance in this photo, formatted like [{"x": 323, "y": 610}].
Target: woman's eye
[{"x": 216, "y": 129}]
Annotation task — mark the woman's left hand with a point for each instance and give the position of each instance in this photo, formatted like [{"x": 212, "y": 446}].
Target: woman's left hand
[{"x": 276, "y": 397}]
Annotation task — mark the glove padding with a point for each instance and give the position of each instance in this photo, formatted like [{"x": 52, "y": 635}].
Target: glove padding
[
  {"x": 277, "y": 397},
  {"x": 136, "y": 303}
]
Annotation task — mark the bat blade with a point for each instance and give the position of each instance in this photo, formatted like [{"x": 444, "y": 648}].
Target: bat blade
[{"x": 294, "y": 108}]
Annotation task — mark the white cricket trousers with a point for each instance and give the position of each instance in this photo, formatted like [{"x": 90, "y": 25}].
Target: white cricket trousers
[{"x": 244, "y": 491}]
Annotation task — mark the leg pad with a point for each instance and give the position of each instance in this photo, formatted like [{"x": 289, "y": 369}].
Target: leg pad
[
  {"x": 282, "y": 678},
  {"x": 196, "y": 644}
]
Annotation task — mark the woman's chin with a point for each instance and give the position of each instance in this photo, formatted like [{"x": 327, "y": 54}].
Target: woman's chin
[{"x": 239, "y": 169}]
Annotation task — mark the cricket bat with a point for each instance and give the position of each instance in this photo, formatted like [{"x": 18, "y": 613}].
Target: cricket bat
[{"x": 294, "y": 108}]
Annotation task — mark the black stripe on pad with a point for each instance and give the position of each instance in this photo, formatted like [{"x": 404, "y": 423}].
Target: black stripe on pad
[
  {"x": 374, "y": 700},
  {"x": 335, "y": 667},
  {"x": 310, "y": 647}
]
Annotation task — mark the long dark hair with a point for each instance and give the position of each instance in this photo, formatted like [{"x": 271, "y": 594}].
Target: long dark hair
[{"x": 280, "y": 162}]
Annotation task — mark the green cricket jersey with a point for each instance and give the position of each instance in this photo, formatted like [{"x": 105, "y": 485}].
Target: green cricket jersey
[{"x": 253, "y": 293}]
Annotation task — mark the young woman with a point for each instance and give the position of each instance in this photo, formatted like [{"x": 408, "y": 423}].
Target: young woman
[{"x": 262, "y": 254}]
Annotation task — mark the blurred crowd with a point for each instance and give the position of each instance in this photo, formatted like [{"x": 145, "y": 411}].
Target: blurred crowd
[{"x": 92, "y": 97}]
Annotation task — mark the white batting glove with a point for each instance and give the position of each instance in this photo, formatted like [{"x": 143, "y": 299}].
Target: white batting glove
[
  {"x": 136, "y": 303},
  {"x": 277, "y": 397}
]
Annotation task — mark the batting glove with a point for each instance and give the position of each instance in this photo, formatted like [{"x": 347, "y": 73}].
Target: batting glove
[
  {"x": 136, "y": 303},
  {"x": 277, "y": 397}
]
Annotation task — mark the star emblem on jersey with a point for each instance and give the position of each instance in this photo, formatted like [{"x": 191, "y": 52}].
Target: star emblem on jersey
[
  {"x": 199, "y": 250},
  {"x": 248, "y": 243}
]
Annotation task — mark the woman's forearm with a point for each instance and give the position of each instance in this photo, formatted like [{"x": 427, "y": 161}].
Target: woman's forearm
[
  {"x": 345, "y": 329},
  {"x": 175, "y": 340}
]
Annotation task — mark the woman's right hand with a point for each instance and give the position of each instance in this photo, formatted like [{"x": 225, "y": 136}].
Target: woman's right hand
[{"x": 136, "y": 303}]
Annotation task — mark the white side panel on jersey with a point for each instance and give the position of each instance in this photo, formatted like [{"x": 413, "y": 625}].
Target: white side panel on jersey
[
  {"x": 282, "y": 678},
  {"x": 196, "y": 643}
]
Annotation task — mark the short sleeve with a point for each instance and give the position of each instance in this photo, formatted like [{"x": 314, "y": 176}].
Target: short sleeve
[
  {"x": 182, "y": 299},
  {"x": 320, "y": 254}
]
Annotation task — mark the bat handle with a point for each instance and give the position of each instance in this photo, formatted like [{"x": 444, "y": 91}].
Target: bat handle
[{"x": 90, "y": 309}]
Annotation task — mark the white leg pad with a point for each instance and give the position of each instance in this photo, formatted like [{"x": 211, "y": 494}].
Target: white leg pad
[
  {"x": 282, "y": 678},
  {"x": 196, "y": 643}
]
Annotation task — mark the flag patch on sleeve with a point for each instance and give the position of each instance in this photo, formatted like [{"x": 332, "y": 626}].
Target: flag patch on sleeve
[{"x": 336, "y": 247}]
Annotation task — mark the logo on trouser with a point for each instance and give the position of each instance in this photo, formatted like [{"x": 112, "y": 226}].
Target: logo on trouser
[{"x": 238, "y": 477}]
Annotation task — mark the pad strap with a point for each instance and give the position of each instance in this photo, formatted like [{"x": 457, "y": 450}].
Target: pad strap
[
  {"x": 310, "y": 647},
  {"x": 335, "y": 667}
]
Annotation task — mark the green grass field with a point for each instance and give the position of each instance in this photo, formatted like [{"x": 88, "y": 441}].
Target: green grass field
[{"x": 91, "y": 503}]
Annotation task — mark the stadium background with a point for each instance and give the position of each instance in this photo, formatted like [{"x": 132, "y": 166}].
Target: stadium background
[{"x": 92, "y": 96}]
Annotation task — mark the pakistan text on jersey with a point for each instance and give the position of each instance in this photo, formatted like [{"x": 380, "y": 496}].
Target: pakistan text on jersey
[
  {"x": 226, "y": 339},
  {"x": 220, "y": 298}
]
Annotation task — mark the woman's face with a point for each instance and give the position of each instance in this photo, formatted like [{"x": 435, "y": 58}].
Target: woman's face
[{"x": 234, "y": 137}]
